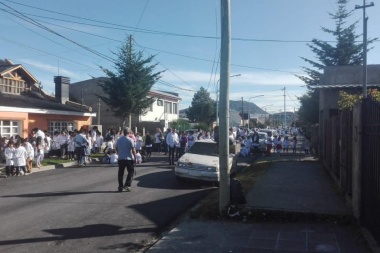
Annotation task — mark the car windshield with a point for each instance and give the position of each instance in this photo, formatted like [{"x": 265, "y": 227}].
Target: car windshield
[
  {"x": 204, "y": 148},
  {"x": 262, "y": 136}
]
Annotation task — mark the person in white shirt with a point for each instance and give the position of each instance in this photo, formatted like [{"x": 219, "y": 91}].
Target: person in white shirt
[
  {"x": 172, "y": 141},
  {"x": 191, "y": 139},
  {"x": 20, "y": 156},
  {"x": 138, "y": 142},
  {"x": 98, "y": 142},
  {"x": 38, "y": 133},
  {"x": 55, "y": 146},
  {"x": 47, "y": 145},
  {"x": 9, "y": 163},
  {"x": 62, "y": 139},
  {"x": 110, "y": 145},
  {"x": 30, "y": 154},
  {"x": 93, "y": 138},
  {"x": 158, "y": 137},
  {"x": 114, "y": 157}
]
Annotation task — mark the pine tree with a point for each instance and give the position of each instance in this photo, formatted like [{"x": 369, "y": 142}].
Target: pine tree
[
  {"x": 202, "y": 107},
  {"x": 346, "y": 51},
  {"x": 126, "y": 89}
]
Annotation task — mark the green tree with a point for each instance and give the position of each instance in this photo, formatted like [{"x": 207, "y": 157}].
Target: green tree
[
  {"x": 202, "y": 107},
  {"x": 180, "y": 124},
  {"x": 345, "y": 51},
  {"x": 126, "y": 89}
]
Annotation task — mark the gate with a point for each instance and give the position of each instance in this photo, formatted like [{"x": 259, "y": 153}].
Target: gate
[{"x": 371, "y": 167}]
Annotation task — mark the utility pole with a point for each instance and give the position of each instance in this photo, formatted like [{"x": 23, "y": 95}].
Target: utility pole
[
  {"x": 242, "y": 110},
  {"x": 130, "y": 77},
  {"x": 284, "y": 109},
  {"x": 217, "y": 102},
  {"x": 365, "y": 20},
  {"x": 98, "y": 111},
  {"x": 225, "y": 55}
]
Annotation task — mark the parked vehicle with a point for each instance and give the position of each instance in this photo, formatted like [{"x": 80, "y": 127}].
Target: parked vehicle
[
  {"x": 272, "y": 132},
  {"x": 262, "y": 142},
  {"x": 201, "y": 162}
]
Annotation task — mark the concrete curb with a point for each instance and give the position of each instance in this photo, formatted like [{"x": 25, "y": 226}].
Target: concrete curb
[{"x": 44, "y": 168}]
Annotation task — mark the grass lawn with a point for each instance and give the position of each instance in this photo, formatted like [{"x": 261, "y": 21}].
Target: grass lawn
[{"x": 54, "y": 161}]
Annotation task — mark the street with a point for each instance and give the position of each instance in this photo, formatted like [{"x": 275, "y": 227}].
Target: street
[{"x": 78, "y": 209}]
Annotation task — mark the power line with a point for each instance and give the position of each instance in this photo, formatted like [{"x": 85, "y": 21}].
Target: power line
[
  {"x": 30, "y": 20},
  {"x": 149, "y": 31},
  {"x": 35, "y": 49}
]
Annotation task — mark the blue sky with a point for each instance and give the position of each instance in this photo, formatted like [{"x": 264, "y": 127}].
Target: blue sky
[{"x": 184, "y": 37}]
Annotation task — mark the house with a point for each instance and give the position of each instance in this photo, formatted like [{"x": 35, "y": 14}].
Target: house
[
  {"x": 24, "y": 105},
  {"x": 341, "y": 78},
  {"x": 163, "y": 110}
]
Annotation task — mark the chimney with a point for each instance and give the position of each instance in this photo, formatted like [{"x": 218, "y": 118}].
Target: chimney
[{"x": 62, "y": 89}]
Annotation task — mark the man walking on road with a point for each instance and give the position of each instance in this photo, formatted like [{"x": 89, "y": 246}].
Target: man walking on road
[{"x": 125, "y": 148}]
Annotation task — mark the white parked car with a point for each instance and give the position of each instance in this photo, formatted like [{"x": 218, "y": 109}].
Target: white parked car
[{"x": 201, "y": 162}]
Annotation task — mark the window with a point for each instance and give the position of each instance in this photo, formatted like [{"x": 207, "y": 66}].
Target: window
[
  {"x": 151, "y": 107},
  {"x": 160, "y": 102},
  {"x": 168, "y": 107},
  {"x": 11, "y": 86},
  {"x": 9, "y": 128},
  {"x": 175, "y": 109},
  {"x": 59, "y": 126}
]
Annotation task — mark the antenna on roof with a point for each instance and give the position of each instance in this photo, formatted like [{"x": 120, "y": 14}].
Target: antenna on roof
[{"x": 58, "y": 67}]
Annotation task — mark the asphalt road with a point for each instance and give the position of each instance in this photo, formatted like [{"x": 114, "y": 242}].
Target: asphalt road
[{"x": 78, "y": 209}]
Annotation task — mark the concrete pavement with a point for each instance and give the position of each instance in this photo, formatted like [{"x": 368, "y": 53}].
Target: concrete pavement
[{"x": 311, "y": 216}]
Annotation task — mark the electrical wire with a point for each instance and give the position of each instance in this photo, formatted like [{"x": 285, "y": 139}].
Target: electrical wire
[
  {"x": 148, "y": 31},
  {"x": 31, "y": 21}
]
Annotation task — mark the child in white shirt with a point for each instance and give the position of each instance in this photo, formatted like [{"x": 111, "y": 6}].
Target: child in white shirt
[
  {"x": 114, "y": 157},
  {"x": 9, "y": 164}
]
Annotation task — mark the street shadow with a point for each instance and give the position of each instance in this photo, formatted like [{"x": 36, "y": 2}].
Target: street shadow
[
  {"x": 163, "y": 211},
  {"x": 87, "y": 231},
  {"x": 53, "y": 194},
  {"x": 171, "y": 207},
  {"x": 167, "y": 180}
]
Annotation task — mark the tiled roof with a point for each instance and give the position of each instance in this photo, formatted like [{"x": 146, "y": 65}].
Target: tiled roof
[{"x": 26, "y": 101}]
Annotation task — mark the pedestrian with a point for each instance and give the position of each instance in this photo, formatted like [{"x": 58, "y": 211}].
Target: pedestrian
[
  {"x": 30, "y": 154},
  {"x": 269, "y": 144},
  {"x": 98, "y": 142},
  {"x": 20, "y": 157},
  {"x": 306, "y": 146},
  {"x": 191, "y": 139},
  {"x": 286, "y": 144},
  {"x": 125, "y": 148},
  {"x": 148, "y": 144},
  {"x": 9, "y": 163},
  {"x": 62, "y": 139},
  {"x": 138, "y": 142},
  {"x": 294, "y": 144},
  {"x": 47, "y": 147},
  {"x": 171, "y": 141},
  {"x": 80, "y": 142},
  {"x": 71, "y": 146},
  {"x": 182, "y": 144},
  {"x": 158, "y": 137},
  {"x": 279, "y": 144},
  {"x": 39, "y": 151}
]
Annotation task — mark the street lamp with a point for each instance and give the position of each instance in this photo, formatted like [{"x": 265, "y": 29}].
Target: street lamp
[
  {"x": 249, "y": 118},
  {"x": 217, "y": 99}
]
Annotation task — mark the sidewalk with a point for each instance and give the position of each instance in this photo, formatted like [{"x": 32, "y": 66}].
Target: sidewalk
[{"x": 293, "y": 184}]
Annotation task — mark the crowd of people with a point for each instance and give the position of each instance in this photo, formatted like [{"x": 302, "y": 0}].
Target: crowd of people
[{"x": 21, "y": 154}]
